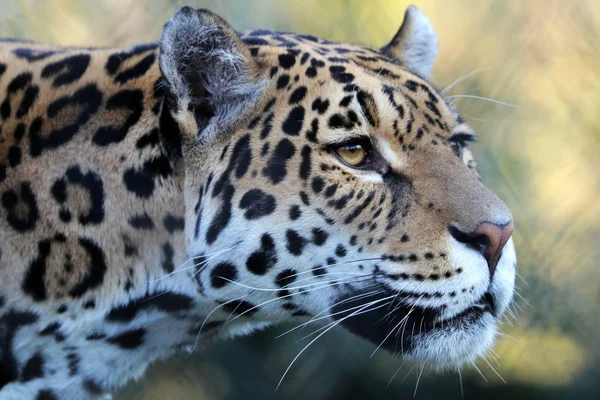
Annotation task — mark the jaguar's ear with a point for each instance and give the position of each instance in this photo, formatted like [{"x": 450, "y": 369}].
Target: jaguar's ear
[
  {"x": 211, "y": 75},
  {"x": 415, "y": 43}
]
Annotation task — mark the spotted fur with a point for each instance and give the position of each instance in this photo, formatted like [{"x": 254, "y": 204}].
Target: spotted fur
[{"x": 159, "y": 197}]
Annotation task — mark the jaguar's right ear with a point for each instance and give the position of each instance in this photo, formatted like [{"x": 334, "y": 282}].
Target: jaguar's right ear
[{"x": 211, "y": 76}]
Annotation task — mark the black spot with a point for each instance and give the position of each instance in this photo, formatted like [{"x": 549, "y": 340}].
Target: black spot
[
  {"x": 295, "y": 212},
  {"x": 131, "y": 101},
  {"x": 168, "y": 254},
  {"x": 304, "y": 198},
  {"x": 141, "y": 221},
  {"x": 92, "y": 387},
  {"x": 222, "y": 217},
  {"x": 305, "y": 166},
  {"x": 68, "y": 70},
  {"x": 168, "y": 302},
  {"x": 22, "y": 210},
  {"x": 276, "y": 167},
  {"x": 287, "y": 61},
  {"x": 267, "y": 126},
  {"x": 137, "y": 70},
  {"x": 151, "y": 138},
  {"x": 19, "y": 83},
  {"x": 86, "y": 101},
  {"x": 338, "y": 121},
  {"x": 96, "y": 269},
  {"x": 285, "y": 278},
  {"x": 360, "y": 208},
  {"x": 29, "y": 98},
  {"x": 340, "y": 251},
  {"x": 142, "y": 181},
  {"x": 222, "y": 274},
  {"x": 311, "y": 134},
  {"x": 34, "y": 368},
  {"x": 346, "y": 101},
  {"x": 317, "y": 185},
  {"x": 91, "y": 182},
  {"x": 265, "y": 258},
  {"x": 295, "y": 242},
  {"x": 339, "y": 74},
  {"x": 46, "y": 394},
  {"x": 331, "y": 189},
  {"x": 34, "y": 281},
  {"x": 239, "y": 307},
  {"x": 298, "y": 95},
  {"x": 173, "y": 223},
  {"x": 14, "y": 156},
  {"x": 319, "y": 236},
  {"x": 115, "y": 61},
  {"x": 404, "y": 238},
  {"x": 320, "y": 106},
  {"x": 11, "y": 322},
  {"x": 257, "y": 204},
  {"x": 90, "y": 304},
  {"x": 293, "y": 123},
  {"x": 318, "y": 270},
  {"x": 283, "y": 81},
  {"x": 265, "y": 149},
  {"x": 129, "y": 339}
]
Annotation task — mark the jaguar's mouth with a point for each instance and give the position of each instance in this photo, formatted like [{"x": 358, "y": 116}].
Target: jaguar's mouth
[{"x": 390, "y": 322}]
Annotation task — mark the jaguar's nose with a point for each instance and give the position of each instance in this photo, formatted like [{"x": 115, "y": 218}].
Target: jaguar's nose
[{"x": 488, "y": 238}]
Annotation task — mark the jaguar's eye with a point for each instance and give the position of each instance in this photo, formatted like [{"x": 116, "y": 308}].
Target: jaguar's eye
[
  {"x": 456, "y": 148},
  {"x": 355, "y": 155}
]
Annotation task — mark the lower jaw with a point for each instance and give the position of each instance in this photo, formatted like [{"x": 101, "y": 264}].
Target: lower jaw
[{"x": 397, "y": 327}]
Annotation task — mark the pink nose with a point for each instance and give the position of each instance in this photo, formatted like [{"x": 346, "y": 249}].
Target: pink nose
[{"x": 488, "y": 238}]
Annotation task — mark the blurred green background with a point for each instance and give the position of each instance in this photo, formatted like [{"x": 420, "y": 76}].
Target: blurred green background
[{"x": 542, "y": 157}]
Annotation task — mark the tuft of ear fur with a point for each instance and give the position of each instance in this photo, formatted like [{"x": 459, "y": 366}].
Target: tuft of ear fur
[
  {"x": 209, "y": 70},
  {"x": 415, "y": 43}
]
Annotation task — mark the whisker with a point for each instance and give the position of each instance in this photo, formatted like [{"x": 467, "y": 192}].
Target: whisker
[
  {"x": 470, "y": 96},
  {"x": 340, "y": 312},
  {"x": 394, "y": 328},
  {"x": 418, "y": 379},
  {"x": 206, "y": 319},
  {"x": 480, "y": 373},
  {"x": 523, "y": 298},
  {"x": 393, "y": 376},
  {"x": 462, "y": 78},
  {"x": 210, "y": 257},
  {"x": 460, "y": 380},
  {"x": 314, "y": 318},
  {"x": 281, "y": 298},
  {"x": 408, "y": 373},
  {"x": 523, "y": 279},
  {"x": 327, "y": 283},
  {"x": 324, "y": 332},
  {"x": 496, "y": 372}
]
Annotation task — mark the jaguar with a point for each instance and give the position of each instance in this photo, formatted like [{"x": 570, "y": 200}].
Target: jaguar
[{"x": 157, "y": 198}]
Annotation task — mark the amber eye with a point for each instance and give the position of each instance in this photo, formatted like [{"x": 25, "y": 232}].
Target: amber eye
[
  {"x": 456, "y": 148},
  {"x": 354, "y": 155}
]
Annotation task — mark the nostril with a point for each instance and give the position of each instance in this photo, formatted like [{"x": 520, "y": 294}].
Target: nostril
[
  {"x": 477, "y": 241},
  {"x": 488, "y": 239}
]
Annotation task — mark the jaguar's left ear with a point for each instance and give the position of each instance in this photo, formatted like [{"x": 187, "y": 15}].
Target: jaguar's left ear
[
  {"x": 415, "y": 43},
  {"x": 209, "y": 70}
]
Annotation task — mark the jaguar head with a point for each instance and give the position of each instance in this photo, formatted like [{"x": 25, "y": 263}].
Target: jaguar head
[{"x": 333, "y": 182}]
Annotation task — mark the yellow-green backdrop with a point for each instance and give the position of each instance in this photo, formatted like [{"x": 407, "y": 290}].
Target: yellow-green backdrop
[{"x": 542, "y": 157}]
